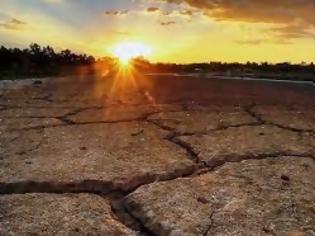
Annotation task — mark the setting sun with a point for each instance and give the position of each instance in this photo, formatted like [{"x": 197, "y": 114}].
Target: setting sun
[{"x": 128, "y": 50}]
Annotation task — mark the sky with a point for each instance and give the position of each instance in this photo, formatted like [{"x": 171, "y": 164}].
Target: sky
[{"x": 181, "y": 31}]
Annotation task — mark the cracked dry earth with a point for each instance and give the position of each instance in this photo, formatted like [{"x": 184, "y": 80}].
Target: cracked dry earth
[{"x": 162, "y": 156}]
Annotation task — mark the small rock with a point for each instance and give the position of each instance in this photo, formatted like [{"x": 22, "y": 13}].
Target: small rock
[
  {"x": 203, "y": 200},
  {"x": 137, "y": 133},
  {"x": 285, "y": 178},
  {"x": 37, "y": 82}
]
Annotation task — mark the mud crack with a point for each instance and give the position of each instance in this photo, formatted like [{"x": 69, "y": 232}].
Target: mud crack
[
  {"x": 123, "y": 215},
  {"x": 210, "y": 225},
  {"x": 262, "y": 121}
]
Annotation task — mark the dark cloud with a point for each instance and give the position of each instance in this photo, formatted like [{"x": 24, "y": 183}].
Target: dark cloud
[
  {"x": 13, "y": 24},
  {"x": 116, "y": 13},
  {"x": 166, "y": 23},
  {"x": 17, "y": 22},
  {"x": 296, "y": 18},
  {"x": 153, "y": 9}
]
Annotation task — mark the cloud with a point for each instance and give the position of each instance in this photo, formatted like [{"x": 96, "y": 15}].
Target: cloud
[
  {"x": 294, "y": 31},
  {"x": 153, "y": 9},
  {"x": 186, "y": 12},
  {"x": 17, "y": 22},
  {"x": 255, "y": 42},
  {"x": 116, "y": 12},
  {"x": 295, "y": 18},
  {"x": 52, "y": 1},
  {"x": 13, "y": 24},
  {"x": 122, "y": 33},
  {"x": 166, "y": 23},
  {"x": 250, "y": 42}
]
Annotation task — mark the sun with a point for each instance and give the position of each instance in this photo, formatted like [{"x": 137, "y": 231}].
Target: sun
[{"x": 126, "y": 51}]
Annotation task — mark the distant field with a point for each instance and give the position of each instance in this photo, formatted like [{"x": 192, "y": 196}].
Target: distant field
[
  {"x": 15, "y": 75},
  {"x": 48, "y": 72}
]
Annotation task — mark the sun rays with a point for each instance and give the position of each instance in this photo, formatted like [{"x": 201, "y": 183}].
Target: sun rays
[{"x": 125, "y": 51}]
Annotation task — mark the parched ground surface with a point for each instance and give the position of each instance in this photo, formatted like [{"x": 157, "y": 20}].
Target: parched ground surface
[{"x": 157, "y": 156}]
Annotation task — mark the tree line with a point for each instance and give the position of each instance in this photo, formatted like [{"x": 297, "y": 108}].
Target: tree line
[
  {"x": 45, "y": 61},
  {"x": 249, "y": 67},
  {"x": 36, "y": 55},
  {"x": 37, "y": 60},
  {"x": 303, "y": 71}
]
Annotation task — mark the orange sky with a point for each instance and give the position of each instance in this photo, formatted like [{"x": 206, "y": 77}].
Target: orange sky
[{"x": 181, "y": 31}]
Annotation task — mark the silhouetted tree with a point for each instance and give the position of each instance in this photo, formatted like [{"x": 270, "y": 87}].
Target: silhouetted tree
[{"x": 38, "y": 60}]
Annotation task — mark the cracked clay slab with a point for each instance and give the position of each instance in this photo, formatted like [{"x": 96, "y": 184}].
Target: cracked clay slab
[
  {"x": 202, "y": 120},
  {"x": 120, "y": 112},
  {"x": 235, "y": 144},
  {"x": 9, "y": 124},
  {"x": 300, "y": 119},
  {"x": 272, "y": 196},
  {"x": 53, "y": 214},
  {"x": 33, "y": 112},
  {"x": 98, "y": 157}
]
